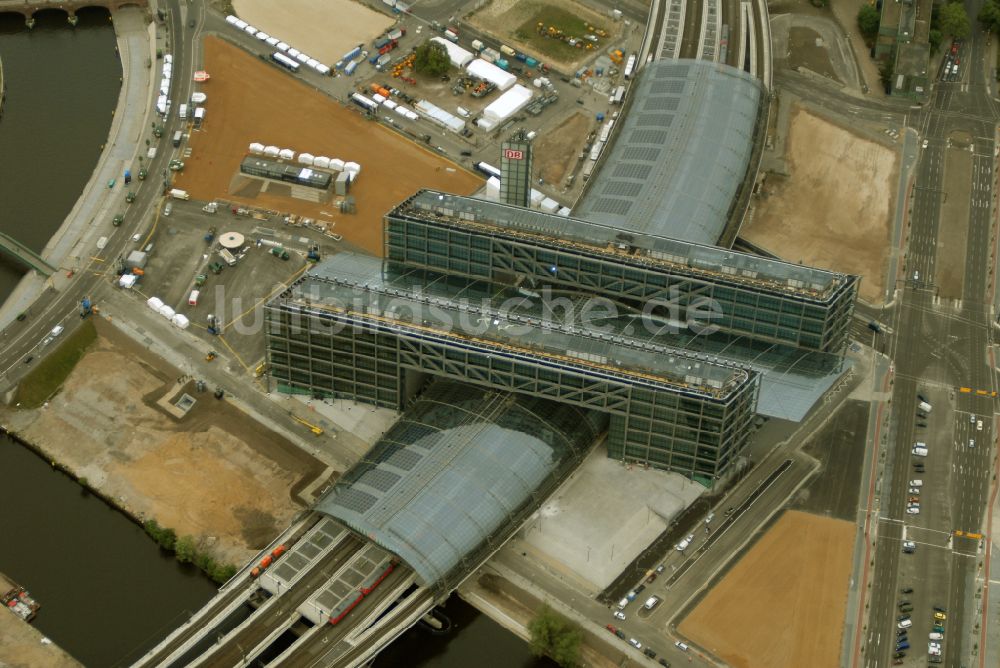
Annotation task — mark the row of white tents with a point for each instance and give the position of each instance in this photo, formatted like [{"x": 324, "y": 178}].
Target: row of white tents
[
  {"x": 292, "y": 52},
  {"x": 323, "y": 162},
  {"x": 168, "y": 71},
  {"x": 177, "y": 319}
]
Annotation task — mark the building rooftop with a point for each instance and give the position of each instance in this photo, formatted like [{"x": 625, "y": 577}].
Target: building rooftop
[
  {"x": 680, "y": 257},
  {"x": 499, "y": 316},
  {"x": 462, "y": 464},
  {"x": 681, "y": 153}
]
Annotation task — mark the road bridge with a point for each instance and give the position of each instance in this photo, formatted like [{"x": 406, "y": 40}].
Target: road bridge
[
  {"x": 15, "y": 248},
  {"x": 27, "y": 8}
]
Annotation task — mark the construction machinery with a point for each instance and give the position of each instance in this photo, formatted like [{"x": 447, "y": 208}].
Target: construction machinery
[
  {"x": 259, "y": 371},
  {"x": 313, "y": 428},
  {"x": 211, "y": 356}
]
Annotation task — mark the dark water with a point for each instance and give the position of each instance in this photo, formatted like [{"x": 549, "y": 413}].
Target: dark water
[
  {"x": 475, "y": 641},
  {"x": 105, "y": 588},
  {"x": 62, "y": 85},
  {"x": 107, "y": 592}
]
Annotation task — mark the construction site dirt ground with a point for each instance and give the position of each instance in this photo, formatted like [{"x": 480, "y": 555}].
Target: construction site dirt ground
[
  {"x": 215, "y": 473},
  {"x": 253, "y": 101},
  {"x": 503, "y": 18},
  {"x": 833, "y": 209},
  {"x": 306, "y": 24},
  {"x": 782, "y": 605},
  {"x": 556, "y": 150}
]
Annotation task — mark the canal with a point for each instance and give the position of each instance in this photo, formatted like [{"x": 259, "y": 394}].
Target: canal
[{"x": 107, "y": 592}]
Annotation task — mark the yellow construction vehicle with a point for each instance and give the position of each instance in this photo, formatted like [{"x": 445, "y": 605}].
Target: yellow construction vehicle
[
  {"x": 259, "y": 371},
  {"x": 313, "y": 428},
  {"x": 210, "y": 356}
]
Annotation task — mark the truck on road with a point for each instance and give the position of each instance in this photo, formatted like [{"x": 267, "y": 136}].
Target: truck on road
[{"x": 179, "y": 194}]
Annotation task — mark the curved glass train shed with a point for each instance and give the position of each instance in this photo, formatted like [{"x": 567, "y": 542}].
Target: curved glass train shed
[
  {"x": 459, "y": 472},
  {"x": 682, "y": 152}
]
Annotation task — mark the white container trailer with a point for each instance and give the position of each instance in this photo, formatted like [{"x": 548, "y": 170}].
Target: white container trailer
[
  {"x": 182, "y": 112},
  {"x": 306, "y": 159},
  {"x": 286, "y": 154}
]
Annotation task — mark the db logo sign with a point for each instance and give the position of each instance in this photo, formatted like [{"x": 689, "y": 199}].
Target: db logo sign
[{"x": 511, "y": 154}]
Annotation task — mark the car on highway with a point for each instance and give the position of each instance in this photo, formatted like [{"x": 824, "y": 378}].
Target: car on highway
[
  {"x": 904, "y": 623},
  {"x": 620, "y": 634},
  {"x": 649, "y": 652},
  {"x": 913, "y": 510},
  {"x": 916, "y": 275},
  {"x": 937, "y": 628},
  {"x": 660, "y": 568},
  {"x": 681, "y": 646},
  {"x": 618, "y": 614},
  {"x": 664, "y": 662},
  {"x": 935, "y": 636},
  {"x": 924, "y": 145},
  {"x": 902, "y": 645},
  {"x": 979, "y": 425},
  {"x": 29, "y": 359},
  {"x": 934, "y": 659},
  {"x": 914, "y": 490},
  {"x": 916, "y": 482},
  {"x": 940, "y": 616},
  {"x": 934, "y": 648},
  {"x": 922, "y": 425},
  {"x": 635, "y": 643},
  {"x": 683, "y": 545},
  {"x": 906, "y": 590},
  {"x": 972, "y": 418},
  {"x": 909, "y": 547},
  {"x": 914, "y": 500},
  {"x": 918, "y": 451},
  {"x": 918, "y": 468},
  {"x": 972, "y": 442},
  {"x": 938, "y": 608},
  {"x": 906, "y": 608},
  {"x": 651, "y": 602}
]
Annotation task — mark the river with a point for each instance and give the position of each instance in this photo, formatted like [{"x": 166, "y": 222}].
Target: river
[{"x": 107, "y": 592}]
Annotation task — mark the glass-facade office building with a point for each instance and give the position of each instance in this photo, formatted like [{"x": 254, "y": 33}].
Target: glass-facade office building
[
  {"x": 350, "y": 331},
  {"x": 760, "y": 300}
]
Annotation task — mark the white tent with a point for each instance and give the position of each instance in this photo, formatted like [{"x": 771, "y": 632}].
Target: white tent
[
  {"x": 257, "y": 148},
  {"x": 337, "y": 164},
  {"x": 154, "y": 303},
  {"x": 127, "y": 280},
  {"x": 493, "y": 188},
  {"x": 198, "y": 98},
  {"x": 322, "y": 162},
  {"x": 167, "y": 312},
  {"x": 352, "y": 167},
  {"x": 490, "y": 72},
  {"x": 459, "y": 56},
  {"x": 271, "y": 151},
  {"x": 306, "y": 158},
  {"x": 181, "y": 321},
  {"x": 286, "y": 154},
  {"x": 549, "y": 205},
  {"x": 508, "y": 104}
]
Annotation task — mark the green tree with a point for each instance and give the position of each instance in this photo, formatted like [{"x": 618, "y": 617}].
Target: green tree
[
  {"x": 989, "y": 16},
  {"x": 934, "y": 38},
  {"x": 432, "y": 58},
  {"x": 955, "y": 21},
  {"x": 222, "y": 573},
  {"x": 868, "y": 20},
  {"x": 185, "y": 549},
  {"x": 555, "y": 636},
  {"x": 885, "y": 73}
]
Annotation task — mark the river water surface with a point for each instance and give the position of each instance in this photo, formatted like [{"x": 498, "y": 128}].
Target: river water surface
[{"x": 107, "y": 592}]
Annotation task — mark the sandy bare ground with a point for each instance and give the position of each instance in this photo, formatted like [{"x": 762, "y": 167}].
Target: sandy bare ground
[
  {"x": 834, "y": 208},
  {"x": 21, "y": 643},
  {"x": 214, "y": 474},
  {"x": 555, "y": 152},
  {"x": 783, "y": 604},
  {"x": 291, "y": 115},
  {"x": 325, "y": 29}
]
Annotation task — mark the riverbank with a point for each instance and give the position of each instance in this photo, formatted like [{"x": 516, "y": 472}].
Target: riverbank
[
  {"x": 159, "y": 449},
  {"x": 70, "y": 247},
  {"x": 24, "y": 645}
]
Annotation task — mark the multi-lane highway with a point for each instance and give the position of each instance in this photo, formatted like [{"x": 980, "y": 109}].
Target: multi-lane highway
[{"x": 939, "y": 346}]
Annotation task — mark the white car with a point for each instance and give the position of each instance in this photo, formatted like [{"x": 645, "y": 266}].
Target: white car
[
  {"x": 913, "y": 510},
  {"x": 916, "y": 275},
  {"x": 925, "y": 143},
  {"x": 622, "y": 603},
  {"x": 933, "y": 651},
  {"x": 936, "y": 636},
  {"x": 918, "y": 451},
  {"x": 914, "y": 490},
  {"x": 917, "y": 483},
  {"x": 972, "y": 442},
  {"x": 972, "y": 419},
  {"x": 681, "y": 646},
  {"x": 979, "y": 425},
  {"x": 909, "y": 544},
  {"x": 619, "y": 615},
  {"x": 904, "y": 624},
  {"x": 635, "y": 643}
]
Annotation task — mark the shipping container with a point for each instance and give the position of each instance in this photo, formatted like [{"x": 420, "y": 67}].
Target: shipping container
[
  {"x": 502, "y": 64},
  {"x": 477, "y": 45},
  {"x": 178, "y": 136},
  {"x": 530, "y": 62},
  {"x": 352, "y": 54},
  {"x": 351, "y": 66},
  {"x": 182, "y": 112}
]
